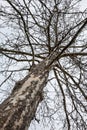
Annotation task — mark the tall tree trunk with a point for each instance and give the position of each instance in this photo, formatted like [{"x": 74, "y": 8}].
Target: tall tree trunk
[{"x": 17, "y": 111}]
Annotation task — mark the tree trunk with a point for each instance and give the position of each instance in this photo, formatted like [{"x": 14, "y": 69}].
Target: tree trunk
[{"x": 17, "y": 111}]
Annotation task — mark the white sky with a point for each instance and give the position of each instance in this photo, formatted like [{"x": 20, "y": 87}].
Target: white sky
[{"x": 83, "y": 4}]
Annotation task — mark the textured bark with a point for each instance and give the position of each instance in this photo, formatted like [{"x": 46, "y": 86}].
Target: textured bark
[{"x": 17, "y": 111}]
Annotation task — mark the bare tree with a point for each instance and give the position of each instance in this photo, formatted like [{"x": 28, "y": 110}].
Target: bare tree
[{"x": 43, "y": 51}]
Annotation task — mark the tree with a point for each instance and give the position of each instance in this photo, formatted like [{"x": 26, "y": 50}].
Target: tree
[{"x": 44, "y": 52}]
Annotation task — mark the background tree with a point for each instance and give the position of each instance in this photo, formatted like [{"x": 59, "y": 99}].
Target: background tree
[{"x": 40, "y": 37}]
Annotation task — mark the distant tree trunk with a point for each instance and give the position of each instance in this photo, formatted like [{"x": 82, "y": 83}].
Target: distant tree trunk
[{"x": 17, "y": 111}]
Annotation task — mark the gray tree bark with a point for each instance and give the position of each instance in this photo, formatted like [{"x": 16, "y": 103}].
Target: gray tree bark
[{"x": 17, "y": 111}]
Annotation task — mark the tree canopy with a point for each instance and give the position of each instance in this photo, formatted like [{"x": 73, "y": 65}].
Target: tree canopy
[{"x": 31, "y": 31}]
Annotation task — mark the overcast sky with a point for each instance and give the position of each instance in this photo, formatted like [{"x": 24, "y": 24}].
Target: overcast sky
[{"x": 83, "y": 4}]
